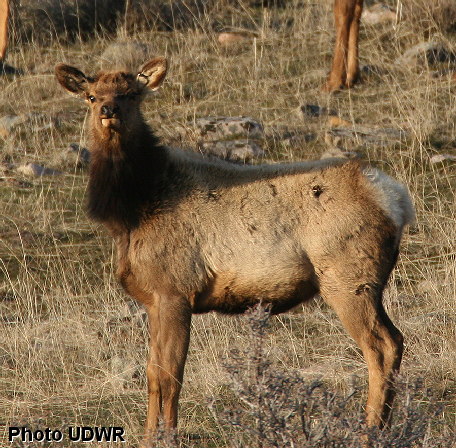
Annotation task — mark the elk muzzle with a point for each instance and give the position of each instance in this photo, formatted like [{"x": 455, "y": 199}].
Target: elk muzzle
[{"x": 110, "y": 116}]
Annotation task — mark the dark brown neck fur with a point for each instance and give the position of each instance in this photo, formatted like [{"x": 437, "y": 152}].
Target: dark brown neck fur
[{"x": 125, "y": 175}]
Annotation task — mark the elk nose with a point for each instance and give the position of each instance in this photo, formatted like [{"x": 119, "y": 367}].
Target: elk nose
[{"x": 109, "y": 110}]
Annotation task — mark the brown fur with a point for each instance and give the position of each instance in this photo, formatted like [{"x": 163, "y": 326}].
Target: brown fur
[
  {"x": 4, "y": 13},
  {"x": 195, "y": 235},
  {"x": 345, "y": 67}
]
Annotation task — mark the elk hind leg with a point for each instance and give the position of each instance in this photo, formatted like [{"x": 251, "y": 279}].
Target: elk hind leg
[{"x": 364, "y": 317}]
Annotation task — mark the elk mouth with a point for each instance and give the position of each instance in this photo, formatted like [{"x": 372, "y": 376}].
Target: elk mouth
[{"x": 111, "y": 123}]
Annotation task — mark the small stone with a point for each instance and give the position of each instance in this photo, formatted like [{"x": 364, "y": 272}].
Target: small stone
[
  {"x": 373, "y": 70},
  {"x": 5, "y": 168},
  {"x": 34, "y": 170},
  {"x": 76, "y": 155},
  {"x": 339, "y": 153},
  {"x": 228, "y": 39},
  {"x": 444, "y": 74},
  {"x": 427, "y": 287},
  {"x": 233, "y": 150},
  {"x": 424, "y": 53},
  {"x": 335, "y": 122},
  {"x": 313, "y": 110},
  {"x": 216, "y": 128},
  {"x": 439, "y": 158},
  {"x": 123, "y": 371},
  {"x": 9, "y": 122},
  {"x": 369, "y": 134},
  {"x": 6, "y": 69},
  {"x": 378, "y": 13},
  {"x": 298, "y": 140},
  {"x": 135, "y": 312}
]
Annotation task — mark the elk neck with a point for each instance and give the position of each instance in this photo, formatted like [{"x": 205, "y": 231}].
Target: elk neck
[{"x": 126, "y": 172}]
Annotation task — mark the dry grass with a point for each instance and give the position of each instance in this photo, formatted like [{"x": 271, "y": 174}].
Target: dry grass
[{"x": 71, "y": 350}]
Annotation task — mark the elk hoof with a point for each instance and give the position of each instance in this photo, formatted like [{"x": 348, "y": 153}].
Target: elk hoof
[{"x": 330, "y": 87}]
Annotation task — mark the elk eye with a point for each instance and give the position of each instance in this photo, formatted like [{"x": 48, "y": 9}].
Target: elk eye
[
  {"x": 133, "y": 96},
  {"x": 91, "y": 98}
]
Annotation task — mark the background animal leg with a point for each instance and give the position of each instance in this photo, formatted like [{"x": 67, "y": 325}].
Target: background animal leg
[
  {"x": 353, "y": 39},
  {"x": 4, "y": 12},
  {"x": 344, "y": 11}
]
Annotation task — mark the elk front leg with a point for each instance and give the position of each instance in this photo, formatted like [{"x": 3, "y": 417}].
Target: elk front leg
[
  {"x": 169, "y": 322},
  {"x": 363, "y": 316}
]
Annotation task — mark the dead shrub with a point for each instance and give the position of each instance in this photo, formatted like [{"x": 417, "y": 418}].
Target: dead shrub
[{"x": 272, "y": 408}]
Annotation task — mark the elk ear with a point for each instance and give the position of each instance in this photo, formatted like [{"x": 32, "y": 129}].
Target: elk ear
[
  {"x": 153, "y": 73},
  {"x": 71, "y": 79}
]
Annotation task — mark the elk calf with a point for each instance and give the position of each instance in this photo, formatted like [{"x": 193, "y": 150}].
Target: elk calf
[{"x": 196, "y": 235}]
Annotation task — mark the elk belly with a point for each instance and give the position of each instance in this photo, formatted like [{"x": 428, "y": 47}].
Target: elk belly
[{"x": 235, "y": 292}]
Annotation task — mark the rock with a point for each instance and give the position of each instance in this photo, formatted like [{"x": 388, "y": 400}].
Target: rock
[
  {"x": 233, "y": 150},
  {"x": 445, "y": 74},
  {"x": 228, "y": 39},
  {"x": 123, "y": 371},
  {"x": 439, "y": 158},
  {"x": 32, "y": 169},
  {"x": 369, "y": 134},
  {"x": 427, "y": 287},
  {"x": 213, "y": 128},
  {"x": 378, "y": 13},
  {"x": 339, "y": 153},
  {"x": 76, "y": 156},
  {"x": 371, "y": 69},
  {"x": 27, "y": 169},
  {"x": 135, "y": 313},
  {"x": 6, "y": 69},
  {"x": 313, "y": 110},
  {"x": 35, "y": 122},
  {"x": 128, "y": 55},
  {"x": 230, "y": 138},
  {"x": 290, "y": 138},
  {"x": 9, "y": 122},
  {"x": 19, "y": 183},
  {"x": 426, "y": 53},
  {"x": 298, "y": 140},
  {"x": 336, "y": 149},
  {"x": 335, "y": 122}
]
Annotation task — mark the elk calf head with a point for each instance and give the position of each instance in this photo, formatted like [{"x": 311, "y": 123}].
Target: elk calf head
[{"x": 114, "y": 97}]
